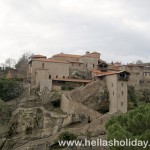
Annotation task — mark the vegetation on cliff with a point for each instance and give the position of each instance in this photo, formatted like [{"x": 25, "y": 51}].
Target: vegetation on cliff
[
  {"x": 10, "y": 89},
  {"x": 132, "y": 102},
  {"x": 5, "y": 113},
  {"x": 131, "y": 125}
]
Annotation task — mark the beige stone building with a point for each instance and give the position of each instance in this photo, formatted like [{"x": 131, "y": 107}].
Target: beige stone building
[
  {"x": 59, "y": 69},
  {"x": 116, "y": 83},
  {"x": 140, "y": 75}
]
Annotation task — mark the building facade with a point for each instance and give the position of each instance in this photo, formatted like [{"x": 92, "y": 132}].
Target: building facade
[
  {"x": 140, "y": 75},
  {"x": 59, "y": 69}
]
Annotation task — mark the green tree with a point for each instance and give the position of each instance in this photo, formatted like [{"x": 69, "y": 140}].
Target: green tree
[
  {"x": 131, "y": 98},
  {"x": 134, "y": 124},
  {"x": 10, "y": 89}
]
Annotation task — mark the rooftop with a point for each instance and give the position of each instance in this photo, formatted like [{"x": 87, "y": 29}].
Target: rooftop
[
  {"x": 38, "y": 56},
  {"x": 99, "y": 73},
  {"x": 67, "y": 55},
  {"x": 48, "y": 60}
]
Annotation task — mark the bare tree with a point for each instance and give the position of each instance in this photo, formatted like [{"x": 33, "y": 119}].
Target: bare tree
[
  {"x": 22, "y": 64},
  {"x": 2, "y": 66},
  {"x": 10, "y": 62}
]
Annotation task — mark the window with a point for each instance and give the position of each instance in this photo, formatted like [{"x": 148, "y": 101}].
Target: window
[
  {"x": 86, "y": 65},
  {"x": 113, "y": 93},
  {"x": 42, "y": 65},
  {"x": 122, "y": 92},
  {"x": 56, "y": 76},
  {"x": 49, "y": 76},
  {"x": 121, "y": 103},
  {"x": 93, "y": 65},
  {"x": 63, "y": 76}
]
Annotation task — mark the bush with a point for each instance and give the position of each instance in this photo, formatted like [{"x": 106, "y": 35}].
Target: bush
[
  {"x": 132, "y": 98},
  {"x": 5, "y": 112},
  {"x": 10, "y": 89},
  {"x": 67, "y": 87},
  {"x": 66, "y": 136}
]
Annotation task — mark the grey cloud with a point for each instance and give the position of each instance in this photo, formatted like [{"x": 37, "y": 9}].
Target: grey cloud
[{"x": 118, "y": 29}]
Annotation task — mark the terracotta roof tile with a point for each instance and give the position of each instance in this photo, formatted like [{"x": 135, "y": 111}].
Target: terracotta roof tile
[
  {"x": 49, "y": 60},
  {"x": 67, "y": 55},
  {"x": 90, "y": 55},
  {"x": 100, "y": 73},
  {"x": 38, "y": 56}
]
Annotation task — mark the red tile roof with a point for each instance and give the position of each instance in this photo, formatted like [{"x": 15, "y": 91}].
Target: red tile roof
[
  {"x": 38, "y": 56},
  {"x": 67, "y": 55},
  {"x": 95, "y": 53},
  {"x": 72, "y": 80},
  {"x": 99, "y": 73},
  {"x": 49, "y": 60},
  {"x": 91, "y": 55}
]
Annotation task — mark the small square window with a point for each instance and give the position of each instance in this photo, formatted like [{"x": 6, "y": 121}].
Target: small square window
[{"x": 121, "y": 103}]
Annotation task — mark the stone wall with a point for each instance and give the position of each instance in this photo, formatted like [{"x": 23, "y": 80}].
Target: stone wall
[
  {"x": 42, "y": 70},
  {"x": 117, "y": 93},
  {"x": 45, "y": 84},
  {"x": 72, "y": 107},
  {"x": 82, "y": 94},
  {"x": 90, "y": 62}
]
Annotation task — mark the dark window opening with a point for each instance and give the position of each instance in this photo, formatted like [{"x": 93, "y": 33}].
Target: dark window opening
[
  {"x": 121, "y": 103},
  {"x": 93, "y": 65},
  {"x": 122, "y": 92},
  {"x": 113, "y": 93},
  {"x": 42, "y": 65},
  {"x": 63, "y": 76},
  {"x": 49, "y": 76},
  {"x": 56, "y": 76}
]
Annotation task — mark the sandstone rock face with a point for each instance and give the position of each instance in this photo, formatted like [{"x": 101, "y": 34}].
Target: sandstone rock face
[
  {"x": 40, "y": 117},
  {"x": 95, "y": 95}
]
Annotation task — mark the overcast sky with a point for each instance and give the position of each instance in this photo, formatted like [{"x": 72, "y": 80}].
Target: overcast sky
[{"x": 118, "y": 29}]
